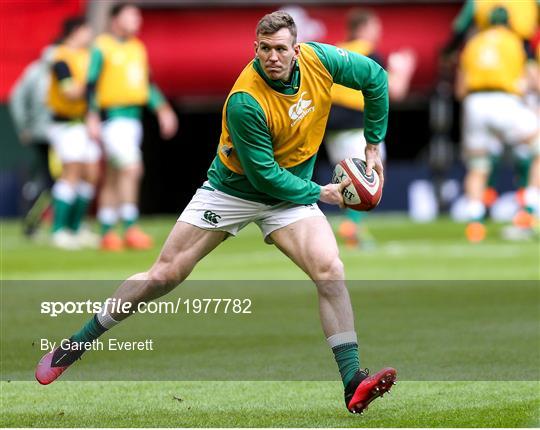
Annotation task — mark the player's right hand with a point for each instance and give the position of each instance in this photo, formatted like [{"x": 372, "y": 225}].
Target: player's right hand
[
  {"x": 333, "y": 193},
  {"x": 168, "y": 122},
  {"x": 93, "y": 125}
]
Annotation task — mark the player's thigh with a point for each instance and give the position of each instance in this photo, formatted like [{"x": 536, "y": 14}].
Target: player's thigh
[
  {"x": 310, "y": 243},
  {"x": 184, "y": 247},
  {"x": 478, "y": 135}
]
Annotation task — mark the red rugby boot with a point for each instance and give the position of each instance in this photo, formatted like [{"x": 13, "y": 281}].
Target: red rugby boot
[
  {"x": 54, "y": 363},
  {"x": 363, "y": 389}
]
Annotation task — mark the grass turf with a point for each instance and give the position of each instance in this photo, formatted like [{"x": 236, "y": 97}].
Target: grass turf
[{"x": 405, "y": 251}]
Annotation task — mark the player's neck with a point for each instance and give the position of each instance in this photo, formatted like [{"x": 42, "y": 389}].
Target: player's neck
[{"x": 119, "y": 34}]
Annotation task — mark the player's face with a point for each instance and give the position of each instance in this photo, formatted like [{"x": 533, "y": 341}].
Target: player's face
[
  {"x": 374, "y": 28},
  {"x": 130, "y": 20},
  {"x": 276, "y": 53},
  {"x": 83, "y": 36}
]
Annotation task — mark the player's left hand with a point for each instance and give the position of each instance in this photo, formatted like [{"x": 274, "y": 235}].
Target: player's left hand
[
  {"x": 168, "y": 123},
  {"x": 333, "y": 193},
  {"x": 374, "y": 161}
]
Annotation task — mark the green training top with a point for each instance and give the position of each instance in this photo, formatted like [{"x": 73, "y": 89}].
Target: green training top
[{"x": 247, "y": 125}]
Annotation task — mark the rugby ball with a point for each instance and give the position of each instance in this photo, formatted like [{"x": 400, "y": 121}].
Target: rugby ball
[{"x": 365, "y": 192}]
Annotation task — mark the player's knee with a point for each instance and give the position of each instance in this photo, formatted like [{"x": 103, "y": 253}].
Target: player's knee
[
  {"x": 330, "y": 269},
  {"x": 134, "y": 171}
]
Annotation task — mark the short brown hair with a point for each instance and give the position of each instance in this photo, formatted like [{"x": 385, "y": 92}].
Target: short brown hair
[
  {"x": 275, "y": 21},
  {"x": 358, "y": 18}
]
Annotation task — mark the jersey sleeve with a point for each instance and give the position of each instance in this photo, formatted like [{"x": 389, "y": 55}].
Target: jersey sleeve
[
  {"x": 156, "y": 99},
  {"x": 356, "y": 71},
  {"x": 94, "y": 70},
  {"x": 465, "y": 18},
  {"x": 253, "y": 142}
]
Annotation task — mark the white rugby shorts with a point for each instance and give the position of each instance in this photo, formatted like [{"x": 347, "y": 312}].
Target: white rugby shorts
[
  {"x": 211, "y": 209},
  {"x": 122, "y": 138},
  {"x": 492, "y": 119},
  {"x": 348, "y": 144},
  {"x": 72, "y": 143}
]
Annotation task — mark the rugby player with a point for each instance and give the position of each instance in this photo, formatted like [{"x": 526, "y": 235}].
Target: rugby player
[
  {"x": 75, "y": 189},
  {"x": 492, "y": 79},
  {"x": 118, "y": 88},
  {"x": 273, "y": 124}
]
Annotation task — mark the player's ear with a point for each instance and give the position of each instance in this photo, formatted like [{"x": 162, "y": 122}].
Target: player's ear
[
  {"x": 255, "y": 46},
  {"x": 296, "y": 48}
]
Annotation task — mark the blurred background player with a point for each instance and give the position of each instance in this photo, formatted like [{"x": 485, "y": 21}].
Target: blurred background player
[
  {"x": 28, "y": 107},
  {"x": 522, "y": 20},
  {"x": 74, "y": 190},
  {"x": 345, "y": 130},
  {"x": 492, "y": 80},
  {"x": 118, "y": 89}
]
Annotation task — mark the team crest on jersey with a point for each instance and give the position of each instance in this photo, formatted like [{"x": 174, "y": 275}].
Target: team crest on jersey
[{"x": 299, "y": 110}]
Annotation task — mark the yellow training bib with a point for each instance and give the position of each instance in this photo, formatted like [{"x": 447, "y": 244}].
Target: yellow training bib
[
  {"x": 124, "y": 79},
  {"x": 522, "y": 15},
  {"x": 349, "y": 97},
  {"x": 296, "y": 122},
  {"x": 77, "y": 62},
  {"x": 494, "y": 59}
]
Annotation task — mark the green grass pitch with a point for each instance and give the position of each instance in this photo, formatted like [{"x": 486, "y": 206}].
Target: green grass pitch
[{"x": 405, "y": 251}]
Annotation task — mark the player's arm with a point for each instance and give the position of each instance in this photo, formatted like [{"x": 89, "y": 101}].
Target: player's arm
[
  {"x": 20, "y": 99},
  {"x": 69, "y": 88},
  {"x": 252, "y": 140},
  {"x": 93, "y": 120},
  {"x": 361, "y": 73},
  {"x": 460, "y": 26},
  {"x": 168, "y": 123}
]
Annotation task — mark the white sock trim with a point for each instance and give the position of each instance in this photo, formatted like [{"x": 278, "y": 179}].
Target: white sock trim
[
  {"x": 63, "y": 190},
  {"x": 342, "y": 338},
  {"x": 107, "y": 215},
  {"x": 129, "y": 212},
  {"x": 86, "y": 190},
  {"x": 106, "y": 321},
  {"x": 475, "y": 209}
]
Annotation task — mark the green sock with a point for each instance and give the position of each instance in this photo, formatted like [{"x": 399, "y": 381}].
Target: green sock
[
  {"x": 90, "y": 331},
  {"x": 105, "y": 228},
  {"x": 127, "y": 223},
  {"x": 78, "y": 211},
  {"x": 522, "y": 167},
  {"x": 355, "y": 216},
  {"x": 346, "y": 356},
  {"x": 62, "y": 209}
]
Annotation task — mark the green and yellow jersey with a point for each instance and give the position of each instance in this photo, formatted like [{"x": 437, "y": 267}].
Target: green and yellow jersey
[
  {"x": 494, "y": 60},
  {"x": 272, "y": 130},
  {"x": 69, "y": 66},
  {"x": 522, "y": 15},
  {"x": 119, "y": 78}
]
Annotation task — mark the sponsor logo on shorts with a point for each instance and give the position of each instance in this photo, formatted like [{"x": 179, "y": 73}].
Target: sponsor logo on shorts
[
  {"x": 300, "y": 109},
  {"x": 211, "y": 217}
]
